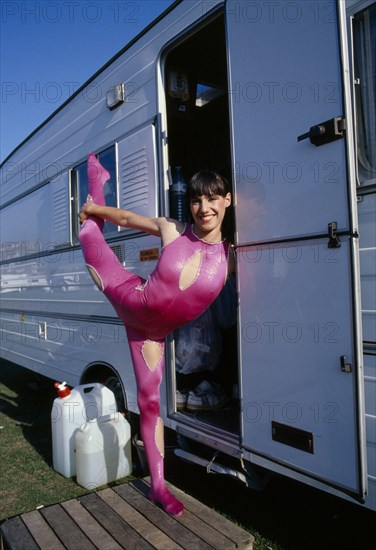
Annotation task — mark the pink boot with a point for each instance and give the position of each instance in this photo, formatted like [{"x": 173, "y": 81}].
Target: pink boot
[{"x": 97, "y": 176}]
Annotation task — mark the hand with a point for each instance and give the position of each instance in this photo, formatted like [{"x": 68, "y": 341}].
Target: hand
[{"x": 86, "y": 209}]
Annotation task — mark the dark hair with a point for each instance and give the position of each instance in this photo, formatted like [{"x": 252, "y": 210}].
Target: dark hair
[{"x": 207, "y": 182}]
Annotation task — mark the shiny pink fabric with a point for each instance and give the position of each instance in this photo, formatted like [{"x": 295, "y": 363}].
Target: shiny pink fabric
[
  {"x": 151, "y": 310},
  {"x": 158, "y": 306}
]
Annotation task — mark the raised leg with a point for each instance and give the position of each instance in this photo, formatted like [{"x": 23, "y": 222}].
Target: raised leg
[
  {"x": 98, "y": 256},
  {"x": 97, "y": 176},
  {"x": 108, "y": 274},
  {"x": 148, "y": 358}
]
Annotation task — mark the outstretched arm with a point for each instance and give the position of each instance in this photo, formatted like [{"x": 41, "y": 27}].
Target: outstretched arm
[
  {"x": 165, "y": 228},
  {"x": 124, "y": 218}
]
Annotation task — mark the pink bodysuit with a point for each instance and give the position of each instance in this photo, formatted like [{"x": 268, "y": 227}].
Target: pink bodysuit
[{"x": 189, "y": 276}]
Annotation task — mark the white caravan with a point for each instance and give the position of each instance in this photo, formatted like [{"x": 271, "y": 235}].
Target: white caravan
[{"x": 280, "y": 98}]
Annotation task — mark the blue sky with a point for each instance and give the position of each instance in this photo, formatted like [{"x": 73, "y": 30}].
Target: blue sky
[{"x": 51, "y": 47}]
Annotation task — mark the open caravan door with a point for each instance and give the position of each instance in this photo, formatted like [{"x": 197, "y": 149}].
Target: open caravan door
[{"x": 296, "y": 240}]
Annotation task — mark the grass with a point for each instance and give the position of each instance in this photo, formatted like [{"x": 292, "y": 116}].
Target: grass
[{"x": 285, "y": 516}]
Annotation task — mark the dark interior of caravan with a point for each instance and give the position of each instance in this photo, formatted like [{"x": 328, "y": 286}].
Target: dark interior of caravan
[
  {"x": 198, "y": 120},
  {"x": 196, "y": 89}
]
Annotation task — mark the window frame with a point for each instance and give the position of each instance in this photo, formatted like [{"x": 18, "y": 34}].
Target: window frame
[{"x": 111, "y": 189}]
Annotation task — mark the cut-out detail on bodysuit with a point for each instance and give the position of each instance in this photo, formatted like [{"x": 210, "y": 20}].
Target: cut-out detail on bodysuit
[
  {"x": 190, "y": 270},
  {"x": 152, "y": 353},
  {"x": 159, "y": 437},
  {"x": 96, "y": 277},
  {"x": 152, "y": 311}
]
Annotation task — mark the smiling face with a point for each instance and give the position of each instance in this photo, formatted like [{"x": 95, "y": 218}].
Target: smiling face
[
  {"x": 208, "y": 212},
  {"x": 208, "y": 197}
]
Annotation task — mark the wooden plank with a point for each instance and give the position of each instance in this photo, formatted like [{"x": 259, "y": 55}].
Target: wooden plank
[
  {"x": 127, "y": 537},
  {"x": 147, "y": 530},
  {"x": 92, "y": 529},
  {"x": 123, "y": 517},
  {"x": 41, "y": 531},
  {"x": 234, "y": 532},
  {"x": 15, "y": 535},
  {"x": 201, "y": 528},
  {"x": 66, "y": 529},
  {"x": 205, "y": 531},
  {"x": 165, "y": 522},
  {"x": 239, "y": 536}
]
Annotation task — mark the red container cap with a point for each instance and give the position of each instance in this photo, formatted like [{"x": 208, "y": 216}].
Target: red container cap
[{"x": 62, "y": 389}]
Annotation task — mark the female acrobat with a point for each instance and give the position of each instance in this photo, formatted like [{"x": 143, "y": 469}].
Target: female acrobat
[{"x": 192, "y": 270}]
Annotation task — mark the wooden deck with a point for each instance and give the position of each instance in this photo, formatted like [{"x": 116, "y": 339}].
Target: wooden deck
[{"x": 122, "y": 517}]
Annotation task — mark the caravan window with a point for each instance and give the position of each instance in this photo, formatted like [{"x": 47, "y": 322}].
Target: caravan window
[
  {"x": 80, "y": 187},
  {"x": 205, "y": 94},
  {"x": 365, "y": 74}
]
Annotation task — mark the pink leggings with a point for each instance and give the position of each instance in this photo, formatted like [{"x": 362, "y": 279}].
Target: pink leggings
[{"x": 147, "y": 354}]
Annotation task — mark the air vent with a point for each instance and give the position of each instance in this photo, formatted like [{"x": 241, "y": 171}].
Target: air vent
[
  {"x": 118, "y": 250},
  {"x": 134, "y": 179},
  {"x": 138, "y": 186}
]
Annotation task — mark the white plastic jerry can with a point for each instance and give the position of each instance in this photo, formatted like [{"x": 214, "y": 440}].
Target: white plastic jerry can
[
  {"x": 69, "y": 411},
  {"x": 103, "y": 451}
]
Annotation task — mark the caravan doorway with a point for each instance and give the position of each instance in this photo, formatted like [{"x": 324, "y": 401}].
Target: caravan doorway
[{"x": 198, "y": 137}]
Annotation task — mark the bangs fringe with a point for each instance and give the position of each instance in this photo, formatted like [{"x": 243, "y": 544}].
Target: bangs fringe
[{"x": 207, "y": 183}]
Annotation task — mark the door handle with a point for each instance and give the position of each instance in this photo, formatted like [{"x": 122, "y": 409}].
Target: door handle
[{"x": 325, "y": 132}]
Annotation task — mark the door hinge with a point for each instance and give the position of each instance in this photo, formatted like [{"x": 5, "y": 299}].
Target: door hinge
[
  {"x": 345, "y": 367},
  {"x": 42, "y": 330},
  {"x": 325, "y": 132}
]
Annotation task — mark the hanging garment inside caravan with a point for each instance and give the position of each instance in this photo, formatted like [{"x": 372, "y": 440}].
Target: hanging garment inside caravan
[{"x": 291, "y": 166}]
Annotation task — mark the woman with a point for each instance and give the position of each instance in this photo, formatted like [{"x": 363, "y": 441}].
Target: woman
[{"x": 191, "y": 272}]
